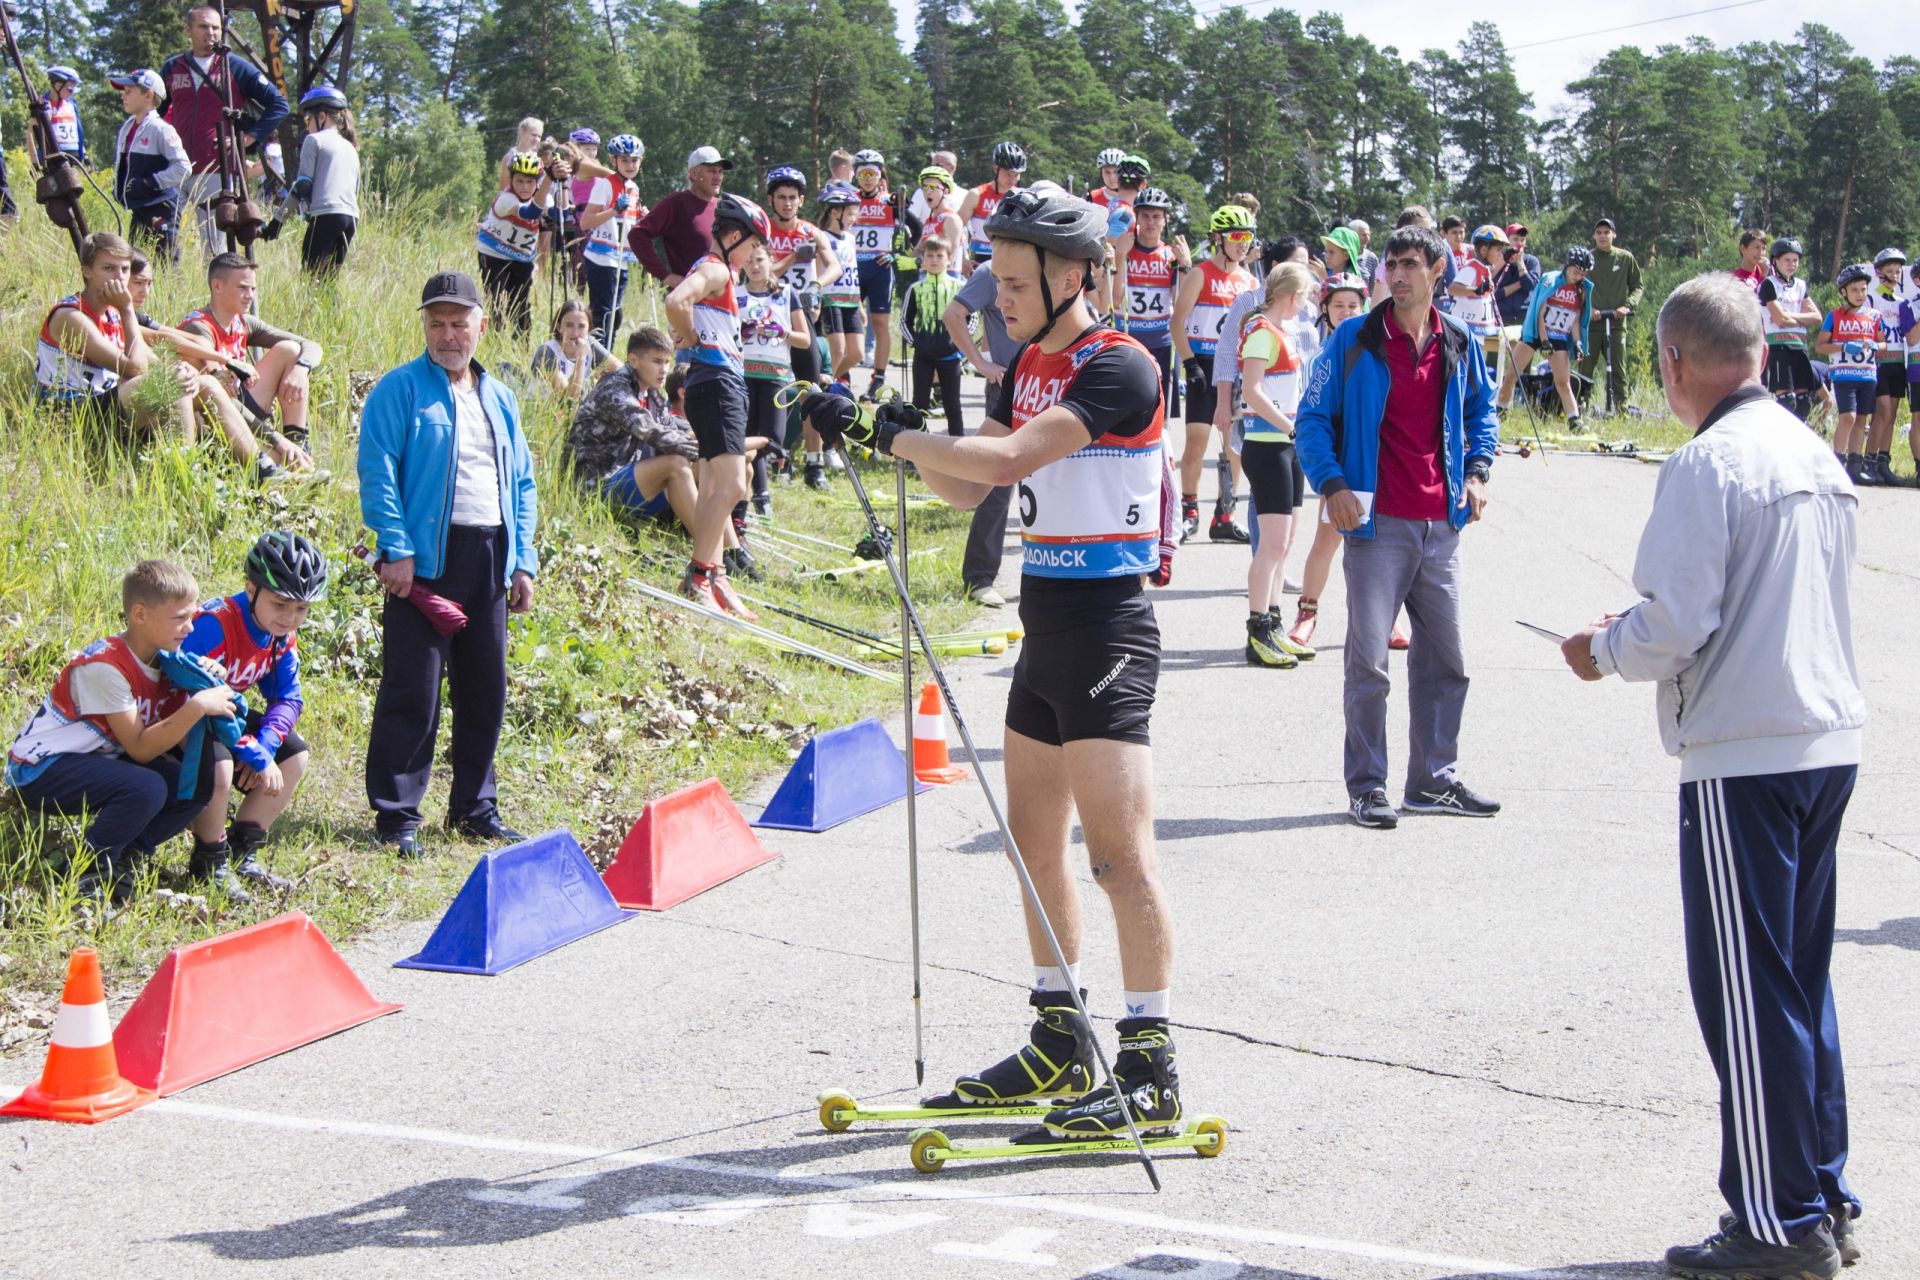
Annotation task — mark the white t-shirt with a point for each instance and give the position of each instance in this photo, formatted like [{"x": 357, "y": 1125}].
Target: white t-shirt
[
  {"x": 476, "y": 482},
  {"x": 99, "y": 689}
]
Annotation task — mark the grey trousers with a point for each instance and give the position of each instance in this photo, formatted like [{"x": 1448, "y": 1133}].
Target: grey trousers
[
  {"x": 987, "y": 539},
  {"x": 1415, "y": 563}
]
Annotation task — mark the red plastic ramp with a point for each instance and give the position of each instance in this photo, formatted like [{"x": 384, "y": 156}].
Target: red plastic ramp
[
  {"x": 237, "y": 999},
  {"x": 684, "y": 844}
]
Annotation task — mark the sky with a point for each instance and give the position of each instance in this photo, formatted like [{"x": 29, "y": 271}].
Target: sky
[{"x": 1544, "y": 71}]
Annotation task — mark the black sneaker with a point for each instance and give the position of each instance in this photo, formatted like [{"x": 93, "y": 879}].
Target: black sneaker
[
  {"x": 246, "y": 838},
  {"x": 1734, "y": 1254},
  {"x": 486, "y": 826},
  {"x": 1189, "y": 520},
  {"x": 209, "y": 864},
  {"x": 1841, "y": 1224},
  {"x": 1223, "y": 529},
  {"x": 816, "y": 477},
  {"x": 1456, "y": 798},
  {"x": 1372, "y": 810}
]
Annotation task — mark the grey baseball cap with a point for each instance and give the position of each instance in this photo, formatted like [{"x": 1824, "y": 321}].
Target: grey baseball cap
[
  {"x": 143, "y": 78},
  {"x": 450, "y": 286},
  {"x": 707, "y": 155}
]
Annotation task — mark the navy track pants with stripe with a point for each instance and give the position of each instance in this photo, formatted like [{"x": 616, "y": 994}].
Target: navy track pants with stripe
[{"x": 1757, "y": 892}]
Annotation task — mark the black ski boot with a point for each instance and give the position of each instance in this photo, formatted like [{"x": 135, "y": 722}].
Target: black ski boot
[
  {"x": 209, "y": 864},
  {"x": 1056, "y": 1061},
  {"x": 246, "y": 839},
  {"x": 1148, "y": 1081}
]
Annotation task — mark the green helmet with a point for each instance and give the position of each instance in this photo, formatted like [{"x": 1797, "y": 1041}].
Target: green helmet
[{"x": 1134, "y": 170}]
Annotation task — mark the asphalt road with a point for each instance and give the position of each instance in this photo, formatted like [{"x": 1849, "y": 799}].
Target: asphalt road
[{"x": 1457, "y": 1049}]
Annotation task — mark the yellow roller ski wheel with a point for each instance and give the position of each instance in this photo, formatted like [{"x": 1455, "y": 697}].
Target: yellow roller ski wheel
[
  {"x": 1214, "y": 1128},
  {"x": 929, "y": 1150},
  {"x": 836, "y": 1111}
]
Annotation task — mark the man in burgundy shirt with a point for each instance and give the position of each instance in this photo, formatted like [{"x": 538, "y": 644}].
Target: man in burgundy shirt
[
  {"x": 682, "y": 223},
  {"x": 1403, "y": 474},
  {"x": 198, "y": 84}
]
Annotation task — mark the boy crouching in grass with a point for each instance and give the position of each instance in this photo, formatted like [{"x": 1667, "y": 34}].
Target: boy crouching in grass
[
  {"x": 251, "y": 635},
  {"x": 626, "y": 444},
  {"x": 98, "y": 743}
]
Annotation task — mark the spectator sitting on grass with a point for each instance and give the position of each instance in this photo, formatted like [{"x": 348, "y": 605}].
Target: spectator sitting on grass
[
  {"x": 99, "y": 366},
  {"x": 98, "y": 743},
  {"x": 625, "y": 443}
]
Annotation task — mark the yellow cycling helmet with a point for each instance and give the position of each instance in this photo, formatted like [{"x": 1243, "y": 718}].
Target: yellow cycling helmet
[
  {"x": 934, "y": 173},
  {"x": 1230, "y": 217},
  {"x": 526, "y": 162}
]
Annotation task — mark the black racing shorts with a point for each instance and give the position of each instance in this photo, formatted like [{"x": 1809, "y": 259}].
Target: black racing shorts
[
  {"x": 1788, "y": 369},
  {"x": 290, "y": 746},
  {"x": 1893, "y": 379},
  {"x": 1272, "y": 468},
  {"x": 1201, "y": 393},
  {"x": 1089, "y": 664},
  {"x": 841, "y": 320},
  {"x": 717, "y": 412}
]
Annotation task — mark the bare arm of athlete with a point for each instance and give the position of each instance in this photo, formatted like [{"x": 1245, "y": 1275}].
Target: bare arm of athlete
[
  {"x": 825, "y": 266},
  {"x": 1182, "y": 308},
  {"x": 964, "y": 469},
  {"x": 707, "y": 280}
]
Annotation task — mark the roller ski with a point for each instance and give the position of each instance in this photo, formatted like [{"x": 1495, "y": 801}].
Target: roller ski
[
  {"x": 1149, "y": 1089},
  {"x": 1056, "y": 1065}
]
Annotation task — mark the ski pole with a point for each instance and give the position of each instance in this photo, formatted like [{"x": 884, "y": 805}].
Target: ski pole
[
  {"x": 913, "y": 830},
  {"x": 912, "y": 615}
]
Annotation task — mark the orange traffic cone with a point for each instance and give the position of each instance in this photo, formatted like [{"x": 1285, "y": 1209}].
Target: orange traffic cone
[
  {"x": 82, "y": 1081},
  {"x": 930, "y": 762}
]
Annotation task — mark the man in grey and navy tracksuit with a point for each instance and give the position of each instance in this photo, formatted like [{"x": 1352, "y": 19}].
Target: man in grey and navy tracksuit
[{"x": 1745, "y": 621}]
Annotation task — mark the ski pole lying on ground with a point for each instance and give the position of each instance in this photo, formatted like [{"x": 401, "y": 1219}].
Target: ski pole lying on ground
[
  {"x": 911, "y": 617},
  {"x": 764, "y": 634},
  {"x": 956, "y": 645}
]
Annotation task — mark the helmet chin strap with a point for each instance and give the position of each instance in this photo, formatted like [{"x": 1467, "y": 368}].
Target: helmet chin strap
[{"x": 1046, "y": 299}]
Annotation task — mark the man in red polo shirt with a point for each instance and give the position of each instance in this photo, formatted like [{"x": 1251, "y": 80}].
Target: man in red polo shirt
[{"x": 1408, "y": 474}]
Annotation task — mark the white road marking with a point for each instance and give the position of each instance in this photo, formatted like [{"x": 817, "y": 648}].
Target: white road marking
[
  {"x": 1016, "y": 1245},
  {"x": 837, "y": 1220},
  {"x": 697, "y": 1210},
  {"x": 550, "y": 1193},
  {"x": 887, "y": 1189}
]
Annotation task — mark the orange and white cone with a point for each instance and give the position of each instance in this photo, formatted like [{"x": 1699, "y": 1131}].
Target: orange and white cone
[
  {"x": 82, "y": 1083},
  {"x": 930, "y": 761}
]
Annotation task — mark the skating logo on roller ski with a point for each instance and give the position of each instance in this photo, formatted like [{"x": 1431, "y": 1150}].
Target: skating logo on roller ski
[{"x": 1111, "y": 676}]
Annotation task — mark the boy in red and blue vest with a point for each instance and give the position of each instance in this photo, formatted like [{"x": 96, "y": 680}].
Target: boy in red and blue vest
[
  {"x": 251, "y": 635},
  {"x": 98, "y": 743}
]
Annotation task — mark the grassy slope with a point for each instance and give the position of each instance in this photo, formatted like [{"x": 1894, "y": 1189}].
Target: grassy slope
[{"x": 612, "y": 701}]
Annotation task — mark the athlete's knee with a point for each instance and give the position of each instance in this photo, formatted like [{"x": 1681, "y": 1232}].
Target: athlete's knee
[{"x": 1129, "y": 874}]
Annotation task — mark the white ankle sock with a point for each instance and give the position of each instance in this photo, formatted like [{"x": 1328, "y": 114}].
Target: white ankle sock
[
  {"x": 1048, "y": 977},
  {"x": 1147, "y": 1004}
]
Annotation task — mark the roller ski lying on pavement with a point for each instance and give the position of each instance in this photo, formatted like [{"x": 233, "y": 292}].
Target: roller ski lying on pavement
[
  {"x": 1056, "y": 1064},
  {"x": 1149, "y": 1088}
]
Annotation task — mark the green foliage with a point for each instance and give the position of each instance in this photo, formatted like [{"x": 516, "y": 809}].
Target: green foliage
[{"x": 433, "y": 162}]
